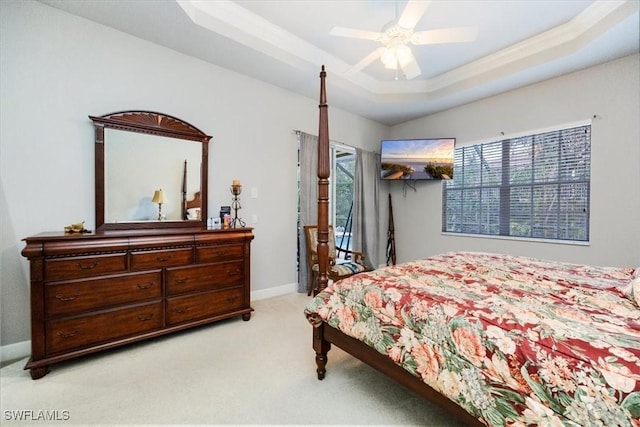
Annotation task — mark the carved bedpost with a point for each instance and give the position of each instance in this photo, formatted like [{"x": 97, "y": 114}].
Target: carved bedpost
[
  {"x": 322, "y": 347},
  {"x": 184, "y": 192},
  {"x": 323, "y": 188}
]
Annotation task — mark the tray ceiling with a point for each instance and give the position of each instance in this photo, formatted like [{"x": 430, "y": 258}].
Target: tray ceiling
[{"x": 284, "y": 43}]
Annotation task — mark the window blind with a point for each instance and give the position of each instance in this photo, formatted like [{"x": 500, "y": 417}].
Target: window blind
[{"x": 533, "y": 186}]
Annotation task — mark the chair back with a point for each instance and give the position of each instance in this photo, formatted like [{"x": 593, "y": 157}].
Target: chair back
[{"x": 311, "y": 233}]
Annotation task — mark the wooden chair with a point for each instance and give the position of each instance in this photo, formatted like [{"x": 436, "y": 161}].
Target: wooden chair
[{"x": 337, "y": 269}]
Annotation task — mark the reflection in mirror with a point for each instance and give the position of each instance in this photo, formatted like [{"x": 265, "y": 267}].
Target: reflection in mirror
[{"x": 137, "y": 165}]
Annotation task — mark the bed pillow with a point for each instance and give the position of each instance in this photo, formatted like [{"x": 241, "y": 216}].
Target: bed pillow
[
  {"x": 632, "y": 291},
  {"x": 193, "y": 213}
]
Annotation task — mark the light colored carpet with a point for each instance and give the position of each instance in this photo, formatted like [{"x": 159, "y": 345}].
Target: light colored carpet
[{"x": 232, "y": 372}]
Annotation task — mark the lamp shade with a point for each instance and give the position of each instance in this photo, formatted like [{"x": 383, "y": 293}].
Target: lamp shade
[{"x": 158, "y": 196}]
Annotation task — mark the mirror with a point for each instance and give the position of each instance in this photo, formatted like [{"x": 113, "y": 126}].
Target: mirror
[
  {"x": 151, "y": 171},
  {"x": 136, "y": 165}
]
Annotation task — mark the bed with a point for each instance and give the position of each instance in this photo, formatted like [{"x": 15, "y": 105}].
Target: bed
[{"x": 495, "y": 339}]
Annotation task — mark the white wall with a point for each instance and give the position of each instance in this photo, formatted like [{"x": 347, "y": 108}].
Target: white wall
[
  {"x": 611, "y": 92},
  {"x": 57, "y": 69}
]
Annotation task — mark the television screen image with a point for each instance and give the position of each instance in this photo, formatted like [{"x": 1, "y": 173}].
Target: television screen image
[{"x": 417, "y": 159}]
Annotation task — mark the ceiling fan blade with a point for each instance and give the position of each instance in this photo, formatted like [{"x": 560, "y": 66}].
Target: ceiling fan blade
[
  {"x": 410, "y": 67},
  {"x": 412, "y": 13},
  {"x": 366, "y": 61},
  {"x": 445, "y": 35},
  {"x": 358, "y": 34}
]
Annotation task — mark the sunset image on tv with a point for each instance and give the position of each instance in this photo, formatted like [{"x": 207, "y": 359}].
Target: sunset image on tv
[{"x": 417, "y": 159}]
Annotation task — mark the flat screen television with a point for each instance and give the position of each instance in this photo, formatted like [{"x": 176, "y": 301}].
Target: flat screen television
[{"x": 417, "y": 159}]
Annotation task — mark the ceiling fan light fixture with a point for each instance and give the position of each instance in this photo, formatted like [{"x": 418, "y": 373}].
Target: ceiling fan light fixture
[
  {"x": 394, "y": 56},
  {"x": 397, "y": 37},
  {"x": 403, "y": 54},
  {"x": 389, "y": 58}
]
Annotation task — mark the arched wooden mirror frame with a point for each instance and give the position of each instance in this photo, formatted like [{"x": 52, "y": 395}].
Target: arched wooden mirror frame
[{"x": 151, "y": 123}]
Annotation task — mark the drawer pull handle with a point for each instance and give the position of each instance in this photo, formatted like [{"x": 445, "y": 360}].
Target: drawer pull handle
[
  {"x": 231, "y": 299},
  {"x": 181, "y": 310},
  {"x": 68, "y": 334},
  {"x": 63, "y": 298},
  {"x": 233, "y": 272},
  {"x": 181, "y": 281},
  {"x": 144, "y": 286},
  {"x": 144, "y": 318},
  {"x": 94, "y": 264},
  {"x": 221, "y": 252},
  {"x": 163, "y": 259}
]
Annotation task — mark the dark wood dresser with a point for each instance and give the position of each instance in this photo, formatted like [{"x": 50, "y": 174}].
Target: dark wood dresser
[{"x": 95, "y": 291}]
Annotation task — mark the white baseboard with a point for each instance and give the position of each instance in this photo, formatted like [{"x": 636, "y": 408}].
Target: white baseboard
[
  {"x": 15, "y": 351},
  {"x": 274, "y": 292},
  {"x": 22, "y": 349}
]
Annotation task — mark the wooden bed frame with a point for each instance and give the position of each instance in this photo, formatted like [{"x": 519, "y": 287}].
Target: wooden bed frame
[
  {"x": 196, "y": 202},
  {"x": 325, "y": 335}
]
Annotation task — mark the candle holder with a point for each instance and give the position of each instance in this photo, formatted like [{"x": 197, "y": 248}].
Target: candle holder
[{"x": 236, "y": 222}]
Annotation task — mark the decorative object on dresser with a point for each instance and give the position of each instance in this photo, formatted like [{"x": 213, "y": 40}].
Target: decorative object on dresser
[
  {"x": 158, "y": 198},
  {"x": 76, "y": 227},
  {"x": 236, "y": 189},
  {"x": 136, "y": 277}
]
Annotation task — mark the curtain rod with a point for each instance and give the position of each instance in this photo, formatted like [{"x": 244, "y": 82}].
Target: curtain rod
[{"x": 298, "y": 132}]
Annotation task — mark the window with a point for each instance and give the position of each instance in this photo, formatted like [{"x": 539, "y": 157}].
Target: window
[
  {"x": 341, "y": 181},
  {"x": 533, "y": 186},
  {"x": 341, "y": 187}
]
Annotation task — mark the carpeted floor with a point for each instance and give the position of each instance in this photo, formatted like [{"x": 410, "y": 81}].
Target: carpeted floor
[{"x": 233, "y": 372}]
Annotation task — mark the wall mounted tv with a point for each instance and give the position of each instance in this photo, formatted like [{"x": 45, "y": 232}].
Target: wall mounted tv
[{"x": 417, "y": 159}]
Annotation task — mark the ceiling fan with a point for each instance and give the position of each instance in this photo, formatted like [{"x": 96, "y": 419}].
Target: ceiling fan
[{"x": 395, "y": 52}]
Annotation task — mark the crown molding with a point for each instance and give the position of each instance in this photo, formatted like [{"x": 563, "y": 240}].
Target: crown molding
[{"x": 243, "y": 26}]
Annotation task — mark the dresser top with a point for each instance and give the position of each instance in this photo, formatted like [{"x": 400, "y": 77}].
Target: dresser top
[
  {"x": 61, "y": 235},
  {"x": 58, "y": 243}
]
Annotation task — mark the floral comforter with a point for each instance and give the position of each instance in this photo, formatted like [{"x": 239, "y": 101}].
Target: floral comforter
[{"x": 514, "y": 341}]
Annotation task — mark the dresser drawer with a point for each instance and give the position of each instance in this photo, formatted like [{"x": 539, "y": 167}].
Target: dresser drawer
[
  {"x": 219, "y": 253},
  {"x": 77, "y": 332},
  {"x": 148, "y": 260},
  {"x": 194, "y": 307},
  {"x": 204, "y": 277},
  {"x": 75, "y": 297},
  {"x": 79, "y": 267}
]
